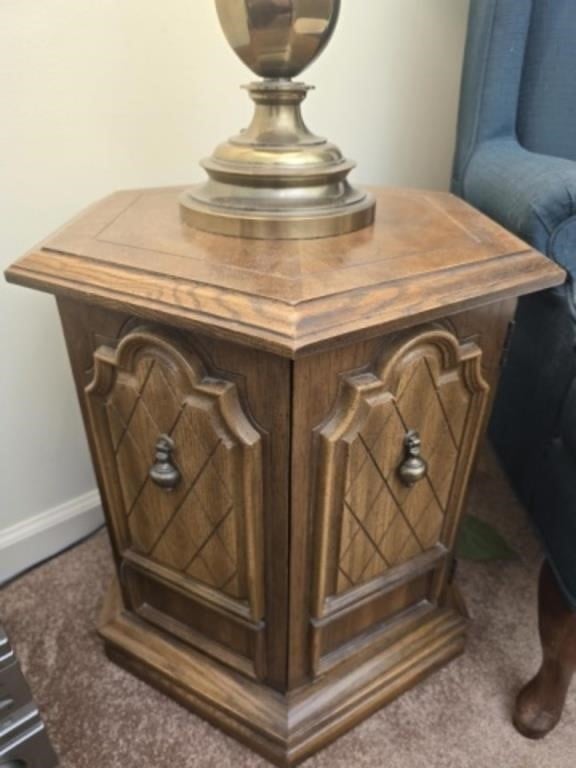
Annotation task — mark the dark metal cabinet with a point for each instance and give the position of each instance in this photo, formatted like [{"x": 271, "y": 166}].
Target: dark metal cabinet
[{"x": 23, "y": 739}]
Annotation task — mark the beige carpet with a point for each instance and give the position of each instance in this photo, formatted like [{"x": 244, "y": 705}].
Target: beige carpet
[{"x": 100, "y": 717}]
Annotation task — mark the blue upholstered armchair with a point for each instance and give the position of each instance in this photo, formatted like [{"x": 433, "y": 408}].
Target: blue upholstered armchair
[{"x": 516, "y": 161}]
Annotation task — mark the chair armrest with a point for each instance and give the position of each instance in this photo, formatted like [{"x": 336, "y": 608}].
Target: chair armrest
[{"x": 532, "y": 195}]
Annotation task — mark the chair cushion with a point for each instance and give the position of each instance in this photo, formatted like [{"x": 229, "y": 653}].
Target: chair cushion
[
  {"x": 530, "y": 406},
  {"x": 547, "y": 106},
  {"x": 569, "y": 422},
  {"x": 553, "y": 510}
]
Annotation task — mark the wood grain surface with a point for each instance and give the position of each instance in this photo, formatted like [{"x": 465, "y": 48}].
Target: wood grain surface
[
  {"x": 428, "y": 255},
  {"x": 247, "y": 405}
]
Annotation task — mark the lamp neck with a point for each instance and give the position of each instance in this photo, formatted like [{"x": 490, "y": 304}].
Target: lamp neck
[{"x": 277, "y": 119}]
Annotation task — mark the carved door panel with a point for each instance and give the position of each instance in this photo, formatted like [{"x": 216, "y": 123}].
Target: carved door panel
[
  {"x": 182, "y": 470},
  {"x": 393, "y": 462}
]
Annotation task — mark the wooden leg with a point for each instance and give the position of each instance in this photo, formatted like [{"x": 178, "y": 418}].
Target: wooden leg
[{"x": 539, "y": 705}]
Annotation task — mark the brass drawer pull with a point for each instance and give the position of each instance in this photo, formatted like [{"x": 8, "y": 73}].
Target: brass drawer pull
[
  {"x": 164, "y": 472},
  {"x": 414, "y": 468}
]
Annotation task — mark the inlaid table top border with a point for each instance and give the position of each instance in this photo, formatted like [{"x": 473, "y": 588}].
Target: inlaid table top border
[{"x": 428, "y": 253}]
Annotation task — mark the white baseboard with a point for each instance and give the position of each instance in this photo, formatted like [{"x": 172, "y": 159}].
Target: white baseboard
[{"x": 42, "y": 536}]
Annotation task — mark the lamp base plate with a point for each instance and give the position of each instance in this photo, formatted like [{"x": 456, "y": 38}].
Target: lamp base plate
[{"x": 271, "y": 225}]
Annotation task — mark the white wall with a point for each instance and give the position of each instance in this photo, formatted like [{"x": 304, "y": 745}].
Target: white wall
[{"x": 103, "y": 94}]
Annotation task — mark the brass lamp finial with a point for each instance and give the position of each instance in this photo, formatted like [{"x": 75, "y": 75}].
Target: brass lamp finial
[{"x": 276, "y": 179}]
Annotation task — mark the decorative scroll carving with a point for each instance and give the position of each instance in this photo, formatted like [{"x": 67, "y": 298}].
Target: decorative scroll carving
[
  {"x": 370, "y": 518},
  {"x": 207, "y": 528}
]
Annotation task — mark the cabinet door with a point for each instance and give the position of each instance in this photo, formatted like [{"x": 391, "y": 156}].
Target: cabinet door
[
  {"x": 181, "y": 466},
  {"x": 393, "y": 463}
]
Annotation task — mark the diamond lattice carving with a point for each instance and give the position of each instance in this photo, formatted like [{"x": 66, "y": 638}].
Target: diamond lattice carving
[
  {"x": 148, "y": 388},
  {"x": 375, "y": 522}
]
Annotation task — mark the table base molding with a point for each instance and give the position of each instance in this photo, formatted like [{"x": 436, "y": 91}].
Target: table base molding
[{"x": 285, "y": 729}]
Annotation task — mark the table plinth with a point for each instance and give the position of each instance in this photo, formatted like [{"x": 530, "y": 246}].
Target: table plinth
[{"x": 283, "y": 435}]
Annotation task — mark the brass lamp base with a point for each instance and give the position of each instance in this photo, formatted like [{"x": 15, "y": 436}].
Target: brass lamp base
[
  {"x": 276, "y": 180},
  {"x": 256, "y": 225}
]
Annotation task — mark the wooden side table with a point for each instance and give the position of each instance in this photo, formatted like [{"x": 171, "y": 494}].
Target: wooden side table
[{"x": 283, "y": 434}]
